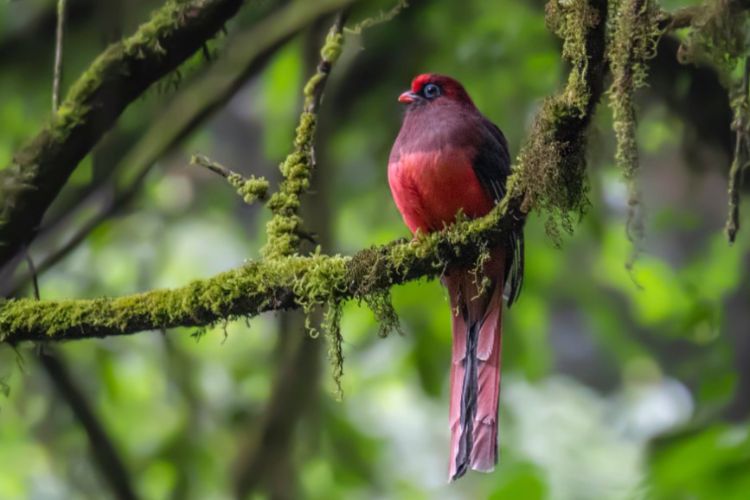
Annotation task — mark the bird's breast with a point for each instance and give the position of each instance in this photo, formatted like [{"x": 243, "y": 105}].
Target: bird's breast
[{"x": 430, "y": 188}]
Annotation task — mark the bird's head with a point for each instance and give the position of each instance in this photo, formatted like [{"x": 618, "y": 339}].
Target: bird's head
[{"x": 430, "y": 88}]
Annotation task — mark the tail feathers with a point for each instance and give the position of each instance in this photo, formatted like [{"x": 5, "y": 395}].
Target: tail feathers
[{"x": 475, "y": 370}]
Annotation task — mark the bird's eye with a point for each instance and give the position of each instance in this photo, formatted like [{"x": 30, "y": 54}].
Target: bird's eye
[{"x": 431, "y": 91}]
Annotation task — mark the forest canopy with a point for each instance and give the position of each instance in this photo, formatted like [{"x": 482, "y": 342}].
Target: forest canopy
[{"x": 194, "y": 214}]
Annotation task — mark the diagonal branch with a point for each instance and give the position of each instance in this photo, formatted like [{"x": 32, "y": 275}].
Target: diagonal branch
[
  {"x": 116, "y": 78},
  {"x": 245, "y": 55},
  {"x": 103, "y": 450},
  {"x": 262, "y": 460},
  {"x": 296, "y": 281}
]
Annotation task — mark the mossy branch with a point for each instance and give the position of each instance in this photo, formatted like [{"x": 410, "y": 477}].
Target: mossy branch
[
  {"x": 285, "y": 227},
  {"x": 719, "y": 37},
  {"x": 294, "y": 281},
  {"x": 250, "y": 189},
  {"x": 741, "y": 160},
  {"x": 382, "y": 17},
  {"x": 116, "y": 78},
  {"x": 244, "y": 55},
  {"x": 550, "y": 172}
]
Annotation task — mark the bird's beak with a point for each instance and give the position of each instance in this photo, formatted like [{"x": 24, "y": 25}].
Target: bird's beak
[{"x": 407, "y": 97}]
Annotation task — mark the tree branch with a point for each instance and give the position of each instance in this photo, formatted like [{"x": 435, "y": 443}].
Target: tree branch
[
  {"x": 685, "y": 17},
  {"x": 103, "y": 451},
  {"x": 246, "y": 54},
  {"x": 263, "y": 458},
  {"x": 117, "y": 77},
  {"x": 58, "y": 66},
  {"x": 296, "y": 281}
]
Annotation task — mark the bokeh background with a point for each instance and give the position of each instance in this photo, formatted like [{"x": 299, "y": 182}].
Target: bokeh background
[{"x": 616, "y": 385}]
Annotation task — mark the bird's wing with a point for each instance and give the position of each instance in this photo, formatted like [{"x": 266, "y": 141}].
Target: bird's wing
[
  {"x": 492, "y": 168},
  {"x": 492, "y": 163}
]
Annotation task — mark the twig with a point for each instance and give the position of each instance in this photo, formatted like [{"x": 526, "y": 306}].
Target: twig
[
  {"x": 116, "y": 78},
  {"x": 189, "y": 108},
  {"x": 104, "y": 453},
  {"x": 213, "y": 166},
  {"x": 686, "y": 17},
  {"x": 263, "y": 457},
  {"x": 381, "y": 18},
  {"x": 115, "y": 204},
  {"x": 323, "y": 69},
  {"x": 32, "y": 272},
  {"x": 57, "y": 72},
  {"x": 741, "y": 154},
  {"x": 680, "y": 18},
  {"x": 250, "y": 188},
  {"x": 284, "y": 228},
  {"x": 294, "y": 386},
  {"x": 294, "y": 281}
]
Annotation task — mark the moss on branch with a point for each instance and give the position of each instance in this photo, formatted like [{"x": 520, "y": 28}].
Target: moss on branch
[
  {"x": 718, "y": 36},
  {"x": 546, "y": 177},
  {"x": 741, "y": 160},
  {"x": 549, "y": 174},
  {"x": 117, "y": 77},
  {"x": 285, "y": 226},
  {"x": 250, "y": 189},
  {"x": 270, "y": 284}
]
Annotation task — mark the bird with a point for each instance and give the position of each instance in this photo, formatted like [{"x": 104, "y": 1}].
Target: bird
[{"x": 449, "y": 159}]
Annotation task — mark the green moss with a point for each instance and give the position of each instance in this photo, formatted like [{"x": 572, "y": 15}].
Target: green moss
[
  {"x": 284, "y": 228},
  {"x": 550, "y": 171},
  {"x": 314, "y": 280},
  {"x": 633, "y": 36},
  {"x": 719, "y": 36},
  {"x": 329, "y": 54},
  {"x": 549, "y": 174},
  {"x": 143, "y": 43},
  {"x": 109, "y": 66},
  {"x": 332, "y": 329},
  {"x": 251, "y": 188},
  {"x": 481, "y": 279},
  {"x": 381, "y": 305},
  {"x": 571, "y": 20},
  {"x": 381, "y": 17}
]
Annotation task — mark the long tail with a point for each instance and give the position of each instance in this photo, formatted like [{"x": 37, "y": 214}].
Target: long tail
[{"x": 475, "y": 366}]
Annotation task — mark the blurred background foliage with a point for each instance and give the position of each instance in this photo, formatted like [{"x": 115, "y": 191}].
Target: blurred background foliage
[{"x": 616, "y": 385}]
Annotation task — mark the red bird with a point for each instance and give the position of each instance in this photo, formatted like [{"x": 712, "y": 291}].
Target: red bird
[{"x": 448, "y": 158}]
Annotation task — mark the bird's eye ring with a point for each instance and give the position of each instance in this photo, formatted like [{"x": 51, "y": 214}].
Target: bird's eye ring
[{"x": 431, "y": 91}]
